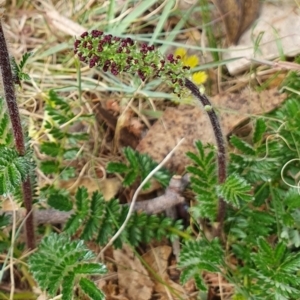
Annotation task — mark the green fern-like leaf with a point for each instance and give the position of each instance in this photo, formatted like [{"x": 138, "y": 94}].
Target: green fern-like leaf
[
  {"x": 94, "y": 219},
  {"x": 131, "y": 157},
  {"x": 67, "y": 286},
  {"x": 114, "y": 167},
  {"x": 82, "y": 205},
  {"x": 5, "y": 134},
  {"x": 259, "y": 130},
  {"x": 197, "y": 256},
  {"x": 59, "y": 199},
  {"x": 242, "y": 145},
  {"x": 13, "y": 169},
  {"x": 203, "y": 182},
  {"x": 24, "y": 60},
  {"x": 234, "y": 190},
  {"x": 276, "y": 271},
  {"x": 51, "y": 148},
  {"x": 18, "y": 68},
  {"x": 139, "y": 166},
  {"x": 59, "y": 102},
  {"x": 50, "y": 166},
  {"x": 99, "y": 220},
  {"x": 59, "y": 261},
  {"x": 91, "y": 290}
]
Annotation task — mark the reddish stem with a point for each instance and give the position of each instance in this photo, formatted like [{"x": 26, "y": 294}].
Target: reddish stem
[
  {"x": 13, "y": 110},
  {"x": 221, "y": 148}
]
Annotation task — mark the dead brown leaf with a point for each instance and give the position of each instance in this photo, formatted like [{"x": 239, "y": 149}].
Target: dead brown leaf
[
  {"x": 192, "y": 123},
  {"x": 133, "y": 278},
  {"x": 237, "y": 15},
  {"x": 108, "y": 187}
]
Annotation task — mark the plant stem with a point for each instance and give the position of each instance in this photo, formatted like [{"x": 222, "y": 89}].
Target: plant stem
[
  {"x": 220, "y": 144},
  {"x": 13, "y": 110}
]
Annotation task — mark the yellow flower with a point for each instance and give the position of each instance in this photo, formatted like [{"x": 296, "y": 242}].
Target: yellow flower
[
  {"x": 191, "y": 61},
  {"x": 180, "y": 52},
  {"x": 199, "y": 77}
]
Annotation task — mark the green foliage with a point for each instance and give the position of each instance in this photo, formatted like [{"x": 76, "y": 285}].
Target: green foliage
[
  {"x": 138, "y": 167},
  {"x": 18, "y": 73},
  {"x": 59, "y": 262},
  {"x": 63, "y": 145},
  {"x": 4, "y": 220},
  {"x": 97, "y": 219},
  {"x": 5, "y": 133},
  {"x": 234, "y": 190},
  {"x": 262, "y": 222},
  {"x": 58, "y": 199},
  {"x": 276, "y": 272},
  {"x": 200, "y": 255},
  {"x": 119, "y": 55},
  {"x": 203, "y": 182},
  {"x": 13, "y": 169}
]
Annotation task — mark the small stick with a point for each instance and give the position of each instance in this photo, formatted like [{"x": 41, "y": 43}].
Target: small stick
[
  {"x": 134, "y": 198},
  {"x": 152, "y": 206}
]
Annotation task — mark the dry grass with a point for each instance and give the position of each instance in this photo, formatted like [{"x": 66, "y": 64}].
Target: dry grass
[{"x": 29, "y": 27}]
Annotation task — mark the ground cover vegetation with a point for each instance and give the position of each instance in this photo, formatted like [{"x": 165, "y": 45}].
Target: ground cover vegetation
[{"x": 89, "y": 188}]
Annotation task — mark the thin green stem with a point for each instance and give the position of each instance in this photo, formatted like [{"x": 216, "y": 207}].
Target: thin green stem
[
  {"x": 180, "y": 233},
  {"x": 13, "y": 110},
  {"x": 220, "y": 144}
]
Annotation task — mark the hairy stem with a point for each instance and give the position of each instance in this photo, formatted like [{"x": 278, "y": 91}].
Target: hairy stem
[
  {"x": 13, "y": 110},
  {"x": 220, "y": 144}
]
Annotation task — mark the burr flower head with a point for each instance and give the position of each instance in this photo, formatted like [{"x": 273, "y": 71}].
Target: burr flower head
[{"x": 116, "y": 55}]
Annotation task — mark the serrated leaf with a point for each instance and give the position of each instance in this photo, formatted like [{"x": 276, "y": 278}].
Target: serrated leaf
[
  {"x": 81, "y": 198},
  {"x": 93, "y": 222},
  {"x": 114, "y": 167},
  {"x": 259, "y": 130},
  {"x": 67, "y": 173},
  {"x": 130, "y": 177},
  {"x": 197, "y": 256},
  {"x": 242, "y": 145},
  {"x": 234, "y": 190},
  {"x": 195, "y": 158},
  {"x": 24, "y": 76},
  {"x": 67, "y": 286},
  {"x": 70, "y": 153},
  {"x": 63, "y": 105},
  {"x": 51, "y": 148},
  {"x": 264, "y": 247},
  {"x": 90, "y": 269},
  {"x": 50, "y": 167},
  {"x": 24, "y": 59},
  {"x": 60, "y": 202},
  {"x": 55, "y": 263},
  {"x": 279, "y": 251},
  {"x": 13, "y": 169},
  {"x": 73, "y": 224},
  {"x": 200, "y": 283},
  {"x": 91, "y": 290},
  {"x": 130, "y": 154}
]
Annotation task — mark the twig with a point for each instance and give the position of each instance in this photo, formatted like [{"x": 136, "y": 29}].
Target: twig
[
  {"x": 221, "y": 148},
  {"x": 152, "y": 206},
  {"x": 13, "y": 110}
]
